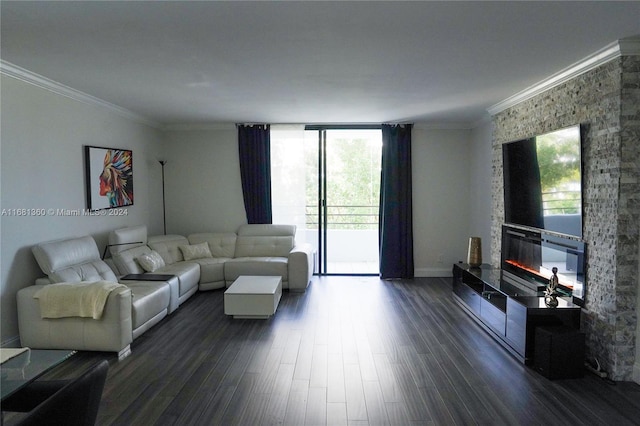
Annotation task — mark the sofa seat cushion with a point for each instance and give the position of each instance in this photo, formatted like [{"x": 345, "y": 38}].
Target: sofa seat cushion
[
  {"x": 268, "y": 266},
  {"x": 188, "y": 274},
  {"x": 212, "y": 269},
  {"x": 149, "y": 298}
]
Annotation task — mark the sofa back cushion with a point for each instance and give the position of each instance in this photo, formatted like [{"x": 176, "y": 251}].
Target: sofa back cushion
[
  {"x": 220, "y": 244},
  {"x": 72, "y": 260},
  {"x": 265, "y": 240},
  {"x": 267, "y": 230},
  {"x": 127, "y": 238},
  {"x": 169, "y": 247},
  {"x": 126, "y": 262}
]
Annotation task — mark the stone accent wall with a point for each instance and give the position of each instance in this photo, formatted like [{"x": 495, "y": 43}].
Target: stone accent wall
[
  {"x": 606, "y": 101},
  {"x": 627, "y": 272}
]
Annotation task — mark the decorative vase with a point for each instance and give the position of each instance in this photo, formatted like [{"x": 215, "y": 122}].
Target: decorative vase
[{"x": 474, "y": 256}]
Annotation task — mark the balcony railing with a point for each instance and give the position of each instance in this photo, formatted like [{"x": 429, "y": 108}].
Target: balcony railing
[
  {"x": 561, "y": 202},
  {"x": 345, "y": 217}
]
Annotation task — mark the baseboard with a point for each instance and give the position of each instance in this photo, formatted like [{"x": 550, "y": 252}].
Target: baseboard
[{"x": 433, "y": 272}]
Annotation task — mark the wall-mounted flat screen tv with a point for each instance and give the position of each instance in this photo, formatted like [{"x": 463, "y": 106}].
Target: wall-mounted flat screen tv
[{"x": 543, "y": 181}]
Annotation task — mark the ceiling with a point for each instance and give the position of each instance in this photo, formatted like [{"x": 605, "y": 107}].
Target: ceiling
[{"x": 187, "y": 62}]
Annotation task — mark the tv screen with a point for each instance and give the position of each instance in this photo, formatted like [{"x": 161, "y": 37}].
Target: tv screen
[{"x": 543, "y": 181}]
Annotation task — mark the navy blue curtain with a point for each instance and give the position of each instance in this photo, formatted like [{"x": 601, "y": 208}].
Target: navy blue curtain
[
  {"x": 254, "y": 145},
  {"x": 396, "y": 216}
]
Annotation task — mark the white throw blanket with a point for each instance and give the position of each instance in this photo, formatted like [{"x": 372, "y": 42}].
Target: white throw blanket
[
  {"x": 82, "y": 299},
  {"x": 7, "y": 353}
]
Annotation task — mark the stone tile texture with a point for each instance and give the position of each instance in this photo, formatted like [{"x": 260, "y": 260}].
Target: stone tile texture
[{"x": 606, "y": 102}]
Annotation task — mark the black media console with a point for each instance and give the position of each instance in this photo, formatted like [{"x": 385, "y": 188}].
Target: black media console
[{"x": 509, "y": 313}]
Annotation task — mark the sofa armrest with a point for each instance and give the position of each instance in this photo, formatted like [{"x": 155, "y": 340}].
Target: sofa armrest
[
  {"x": 301, "y": 265},
  {"x": 111, "y": 333}
]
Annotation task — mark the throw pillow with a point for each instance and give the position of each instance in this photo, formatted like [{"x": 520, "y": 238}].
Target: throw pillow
[
  {"x": 150, "y": 261},
  {"x": 196, "y": 251}
]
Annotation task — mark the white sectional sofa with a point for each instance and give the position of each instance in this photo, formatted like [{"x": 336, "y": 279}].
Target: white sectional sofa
[
  {"x": 131, "y": 310},
  {"x": 254, "y": 250}
]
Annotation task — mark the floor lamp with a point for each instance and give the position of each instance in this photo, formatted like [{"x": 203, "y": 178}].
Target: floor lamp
[{"x": 164, "y": 211}]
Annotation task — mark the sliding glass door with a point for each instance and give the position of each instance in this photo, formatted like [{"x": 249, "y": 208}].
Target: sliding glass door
[
  {"x": 352, "y": 181},
  {"x": 343, "y": 200},
  {"x": 326, "y": 181}
]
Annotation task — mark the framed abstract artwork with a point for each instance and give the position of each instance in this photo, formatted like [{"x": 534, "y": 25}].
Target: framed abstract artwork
[{"x": 108, "y": 177}]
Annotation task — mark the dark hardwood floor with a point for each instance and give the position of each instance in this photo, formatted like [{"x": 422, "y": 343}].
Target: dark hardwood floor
[{"x": 349, "y": 351}]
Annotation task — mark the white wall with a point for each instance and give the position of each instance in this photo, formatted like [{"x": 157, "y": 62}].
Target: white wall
[
  {"x": 203, "y": 188},
  {"x": 42, "y": 136},
  {"x": 441, "y": 164},
  {"x": 480, "y": 185}
]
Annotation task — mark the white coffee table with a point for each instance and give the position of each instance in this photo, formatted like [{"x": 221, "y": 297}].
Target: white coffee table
[{"x": 252, "y": 296}]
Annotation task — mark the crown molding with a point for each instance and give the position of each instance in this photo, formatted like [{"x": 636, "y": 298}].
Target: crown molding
[
  {"x": 624, "y": 47},
  {"x": 443, "y": 125},
  {"x": 19, "y": 73},
  {"x": 232, "y": 126},
  {"x": 186, "y": 127}
]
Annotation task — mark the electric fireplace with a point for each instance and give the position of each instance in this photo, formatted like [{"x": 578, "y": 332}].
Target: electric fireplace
[{"x": 528, "y": 257}]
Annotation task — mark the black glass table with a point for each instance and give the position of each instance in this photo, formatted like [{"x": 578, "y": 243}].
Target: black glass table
[{"x": 26, "y": 367}]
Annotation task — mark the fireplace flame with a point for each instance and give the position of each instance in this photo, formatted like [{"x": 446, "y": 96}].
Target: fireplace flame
[{"x": 539, "y": 274}]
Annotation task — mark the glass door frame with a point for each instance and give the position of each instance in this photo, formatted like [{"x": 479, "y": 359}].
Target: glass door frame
[{"x": 322, "y": 191}]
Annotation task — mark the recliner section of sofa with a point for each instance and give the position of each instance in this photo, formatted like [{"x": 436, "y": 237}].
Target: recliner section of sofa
[
  {"x": 127, "y": 244},
  {"x": 188, "y": 273},
  {"x": 128, "y": 312},
  {"x": 261, "y": 250}
]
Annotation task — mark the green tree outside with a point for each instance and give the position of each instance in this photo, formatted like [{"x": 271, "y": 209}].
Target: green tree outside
[
  {"x": 559, "y": 162},
  {"x": 353, "y": 183}
]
